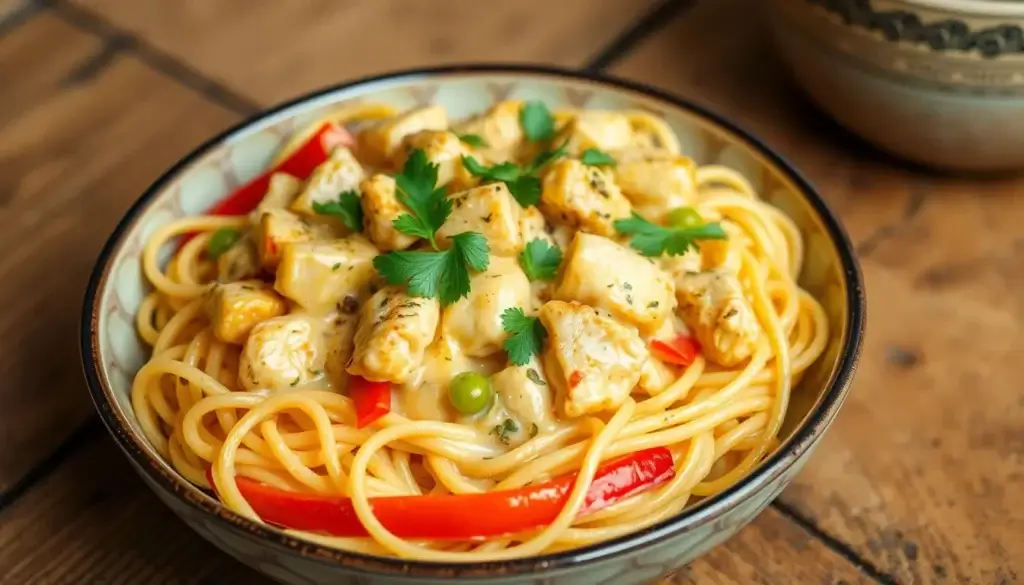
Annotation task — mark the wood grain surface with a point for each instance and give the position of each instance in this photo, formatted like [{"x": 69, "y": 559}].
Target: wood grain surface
[
  {"x": 269, "y": 54},
  {"x": 923, "y": 473},
  {"x": 918, "y": 481}
]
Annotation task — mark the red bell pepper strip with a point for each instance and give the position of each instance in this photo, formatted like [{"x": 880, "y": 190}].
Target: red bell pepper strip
[
  {"x": 462, "y": 516},
  {"x": 300, "y": 164},
  {"x": 680, "y": 351},
  {"x": 372, "y": 399}
]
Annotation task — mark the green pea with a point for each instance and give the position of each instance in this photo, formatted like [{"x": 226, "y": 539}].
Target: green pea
[
  {"x": 470, "y": 393},
  {"x": 683, "y": 217}
]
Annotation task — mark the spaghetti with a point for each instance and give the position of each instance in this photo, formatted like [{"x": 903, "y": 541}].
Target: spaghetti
[{"x": 717, "y": 421}]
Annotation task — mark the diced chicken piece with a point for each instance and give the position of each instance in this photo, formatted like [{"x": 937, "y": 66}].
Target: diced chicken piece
[
  {"x": 604, "y": 274},
  {"x": 281, "y": 191},
  {"x": 278, "y": 227},
  {"x": 394, "y": 331},
  {"x": 338, "y": 174},
  {"x": 283, "y": 352},
  {"x": 381, "y": 142},
  {"x": 445, "y": 150},
  {"x": 714, "y": 308},
  {"x": 499, "y": 128},
  {"x": 656, "y": 184},
  {"x": 239, "y": 262},
  {"x": 474, "y": 322},
  {"x": 656, "y": 376},
  {"x": 339, "y": 339},
  {"x": 490, "y": 210},
  {"x": 234, "y": 308},
  {"x": 593, "y": 362},
  {"x": 582, "y": 197},
  {"x": 533, "y": 226},
  {"x": 380, "y": 208},
  {"x": 526, "y": 395},
  {"x": 676, "y": 266},
  {"x": 318, "y": 275},
  {"x": 724, "y": 254},
  {"x": 600, "y": 129}
]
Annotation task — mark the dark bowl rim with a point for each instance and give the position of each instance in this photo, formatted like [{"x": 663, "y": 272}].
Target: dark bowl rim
[{"x": 803, "y": 438}]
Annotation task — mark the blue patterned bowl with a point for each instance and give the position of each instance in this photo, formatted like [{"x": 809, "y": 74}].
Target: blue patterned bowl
[{"x": 112, "y": 352}]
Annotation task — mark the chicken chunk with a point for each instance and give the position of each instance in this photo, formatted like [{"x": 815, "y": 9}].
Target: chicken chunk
[
  {"x": 526, "y": 395},
  {"x": 394, "y": 331},
  {"x": 582, "y": 197},
  {"x": 533, "y": 226},
  {"x": 239, "y": 262},
  {"x": 382, "y": 141},
  {"x": 656, "y": 184},
  {"x": 600, "y": 129},
  {"x": 490, "y": 210},
  {"x": 278, "y": 227},
  {"x": 338, "y": 174},
  {"x": 380, "y": 208},
  {"x": 593, "y": 362},
  {"x": 339, "y": 341},
  {"x": 474, "y": 322},
  {"x": 608, "y": 275},
  {"x": 318, "y": 275},
  {"x": 714, "y": 308},
  {"x": 283, "y": 352},
  {"x": 499, "y": 128},
  {"x": 234, "y": 308},
  {"x": 281, "y": 191},
  {"x": 445, "y": 150}
]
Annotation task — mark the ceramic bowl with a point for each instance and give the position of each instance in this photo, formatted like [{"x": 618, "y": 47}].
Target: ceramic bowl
[
  {"x": 112, "y": 352},
  {"x": 937, "y": 82}
]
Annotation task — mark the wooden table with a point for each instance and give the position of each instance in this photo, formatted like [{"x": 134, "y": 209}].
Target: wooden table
[{"x": 921, "y": 480}]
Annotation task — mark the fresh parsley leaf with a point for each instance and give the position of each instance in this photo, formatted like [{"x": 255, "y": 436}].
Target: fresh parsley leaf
[
  {"x": 474, "y": 140},
  {"x": 503, "y": 430},
  {"x": 540, "y": 260},
  {"x": 654, "y": 240},
  {"x": 501, "y": 172},
  {"x": 537, "y": 122},
  {"x": 526, "y": 190},
  {"x": 522, "y": 182},
  {"x": 347, "y": 208},
  {"x": 428, "y": 206},
  {"x": 221, "y": 241},
  {"x": 525, "y": 335},
  {"x": 547, "y": 157},
  {"x": 597, "y": 158},
  {"x": 444, "y": 274}
]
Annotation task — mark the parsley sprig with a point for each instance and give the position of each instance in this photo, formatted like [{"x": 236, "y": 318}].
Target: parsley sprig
[
  {"x": 537, "y": 122},
  {"x": 525, "y": 335},
  {"x": 221, "y": 241},
  {"x": 651, "y": 239},
  {"x": 597, "y": 158},
  {"x": 540, "y": 260},
  {"x": 474, "y": 140},
  {"x": 522, "y": 182},
  {"x": 442, "y": 274},
  {"x": 347, "y": 209}
]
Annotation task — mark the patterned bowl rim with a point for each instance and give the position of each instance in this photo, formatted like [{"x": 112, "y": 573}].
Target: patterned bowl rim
[{"x": 137, "y": 449}]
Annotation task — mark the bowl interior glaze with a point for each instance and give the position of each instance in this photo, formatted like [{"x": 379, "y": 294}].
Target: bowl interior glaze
[{"x": 113, "y": 352}]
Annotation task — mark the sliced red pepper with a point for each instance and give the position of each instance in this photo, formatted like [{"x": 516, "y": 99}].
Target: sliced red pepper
[
  {"x": 575, "y": 378},
  {"x": 372, "y": 399},
  {"x": 300, "y": 164},
  {"x": 463, "y": 516},
  {"x": 682, "y": 350}
]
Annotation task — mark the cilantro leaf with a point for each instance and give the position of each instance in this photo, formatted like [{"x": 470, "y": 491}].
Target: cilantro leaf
[
  {"x": 501, "y": 172},
  {"x": 428, "y": 206},
  {"x": 221, "y": 241},
  {"x": 540, "y": 260},
  {"x": 526, "y": 335},
  {"x": 347, "y": 208},
  {"x": 537, "y": 122},
  {"x": 597, "y": 158},
  {"x": 474, "y": 140},
  {"x": 522, "y": 182},
  {"x": 526, "y": 190},
  {"x": 443, "y": 275},
  {"x": 654, "y": 240},
  {"x": 547, "y": 157}
]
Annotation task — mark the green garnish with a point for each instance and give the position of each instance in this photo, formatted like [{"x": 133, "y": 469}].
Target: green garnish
[
  {"x": 522, "y": 182},
  {"x": 221, "y": 241},
  {"x": 347, "y": 208},
  {"x": 683, "y": 217},
  {"x": 525, "y": 335},
  {"x": 470, "y": 393},
  {"x": 442, "y": 274},
  {"x": 534, "y": 376},
  {"x": 537, "y": 122},
  {"x": 474, "y": 140},
  {"x": 503, "y": 430},
  {"x": 540, "y": 260},
  {"x": 534, "y": 429},
  {"x": 654, "y": 240},
  {"x": 597, "y": 158}
]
